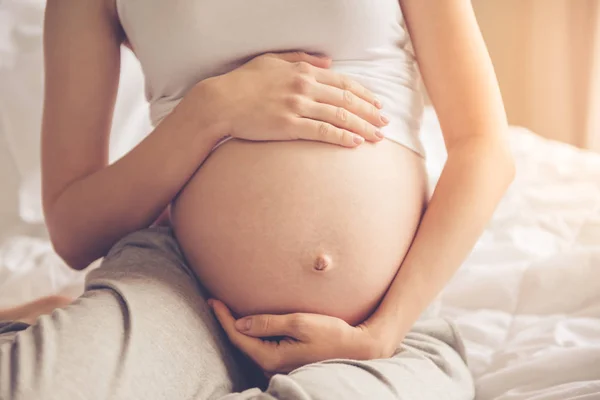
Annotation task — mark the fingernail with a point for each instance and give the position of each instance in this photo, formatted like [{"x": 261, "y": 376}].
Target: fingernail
[
  {"x": 243, "y": 324},
  {"x": 210, "y": 302},
  {"x": 385, "y": 119},
  {"x": 379, "y": 134},
  {"x": 378, "y": 104},
  {"x": 358, "y": 139}
]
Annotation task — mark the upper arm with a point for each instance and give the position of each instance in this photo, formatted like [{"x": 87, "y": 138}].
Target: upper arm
[
  {"x": 82, "y": 61},
  {"x": 456, "y": 68}
]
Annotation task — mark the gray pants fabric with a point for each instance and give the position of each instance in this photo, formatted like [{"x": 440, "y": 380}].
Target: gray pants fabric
[{"x": 143, "y": 330}]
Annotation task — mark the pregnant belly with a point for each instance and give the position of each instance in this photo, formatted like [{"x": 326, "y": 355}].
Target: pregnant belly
[{"x": 300, "y": 226}]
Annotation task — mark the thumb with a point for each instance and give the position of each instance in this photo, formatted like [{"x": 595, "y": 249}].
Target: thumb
[
  {"x": 300, "y": 56},
  {"x": 262, "y": 326}
]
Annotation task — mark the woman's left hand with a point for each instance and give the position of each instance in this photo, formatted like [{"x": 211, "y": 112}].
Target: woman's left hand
[{"x": 303, "y": 339}]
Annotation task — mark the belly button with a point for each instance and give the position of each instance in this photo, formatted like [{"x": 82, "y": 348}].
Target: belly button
[{"x": 322, "y": 263}]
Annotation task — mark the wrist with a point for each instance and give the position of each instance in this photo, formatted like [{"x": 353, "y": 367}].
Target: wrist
[
  {"x": 389, "y": 331},
  {"x": 209, "y": 109}
]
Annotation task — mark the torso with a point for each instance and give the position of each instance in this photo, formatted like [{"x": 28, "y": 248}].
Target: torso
[
  {"x": 257, "y": 217},
  {"x": 291, "y": 226}
]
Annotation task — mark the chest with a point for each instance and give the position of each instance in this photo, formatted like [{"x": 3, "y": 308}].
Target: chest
[{"x": 201, "y": 38}]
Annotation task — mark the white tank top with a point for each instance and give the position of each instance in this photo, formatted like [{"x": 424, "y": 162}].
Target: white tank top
[{"x": 181, "y": 42}]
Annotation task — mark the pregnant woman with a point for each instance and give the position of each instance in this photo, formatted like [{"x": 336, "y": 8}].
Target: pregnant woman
[{"x": 277, "y": 218}]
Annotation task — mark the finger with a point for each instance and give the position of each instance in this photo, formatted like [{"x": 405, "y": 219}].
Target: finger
[
  {"x": 345, "y": 98},
  {"x": 264, "y": 353},
  {"x": 320, "y": 131},
  {"x": 263, "y": 326},
  {"x": 340, "y": 81},
  {"x": 342, "y": 119},
  {"x": 300, "y": 56},
  {"x": 227, "y": 321}
]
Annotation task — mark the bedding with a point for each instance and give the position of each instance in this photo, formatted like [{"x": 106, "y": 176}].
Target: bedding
[{"x": 527, "y": 299}]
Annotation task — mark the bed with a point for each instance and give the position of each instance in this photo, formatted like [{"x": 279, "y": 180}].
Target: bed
[{"x": 527, "y": 299}]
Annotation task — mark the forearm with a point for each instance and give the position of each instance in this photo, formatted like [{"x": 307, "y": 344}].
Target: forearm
[
  {"x": 475, "y": 177},
  {"x": 93, "y": 212}
]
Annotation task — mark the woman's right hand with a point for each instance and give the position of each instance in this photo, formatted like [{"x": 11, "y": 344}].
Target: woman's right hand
[{"x": 292, "y": 96}]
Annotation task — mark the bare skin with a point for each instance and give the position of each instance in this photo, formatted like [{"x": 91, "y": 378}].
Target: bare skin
[
  {"x": 454, "y": 64},
  {"x": 325, "y": 228},
  {"x": 82, "y": 59}
]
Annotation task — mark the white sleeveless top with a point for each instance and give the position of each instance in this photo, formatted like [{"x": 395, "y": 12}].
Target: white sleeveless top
[{"x": 181, "y": 42}]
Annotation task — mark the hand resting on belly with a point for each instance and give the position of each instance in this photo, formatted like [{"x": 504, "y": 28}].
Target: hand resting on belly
[{"x": 272, "y": 224}]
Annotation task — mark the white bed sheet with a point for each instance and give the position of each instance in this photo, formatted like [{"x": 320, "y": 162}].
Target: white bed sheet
[{"x": 528, "y": 297}]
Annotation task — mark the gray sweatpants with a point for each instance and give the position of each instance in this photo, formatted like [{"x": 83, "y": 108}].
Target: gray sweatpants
[{"x": 142, "y": 330}]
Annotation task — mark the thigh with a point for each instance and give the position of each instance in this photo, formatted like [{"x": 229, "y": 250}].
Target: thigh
[
  {"x": 141, "y": 330},
  {"x": 429, "y": 366}
]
